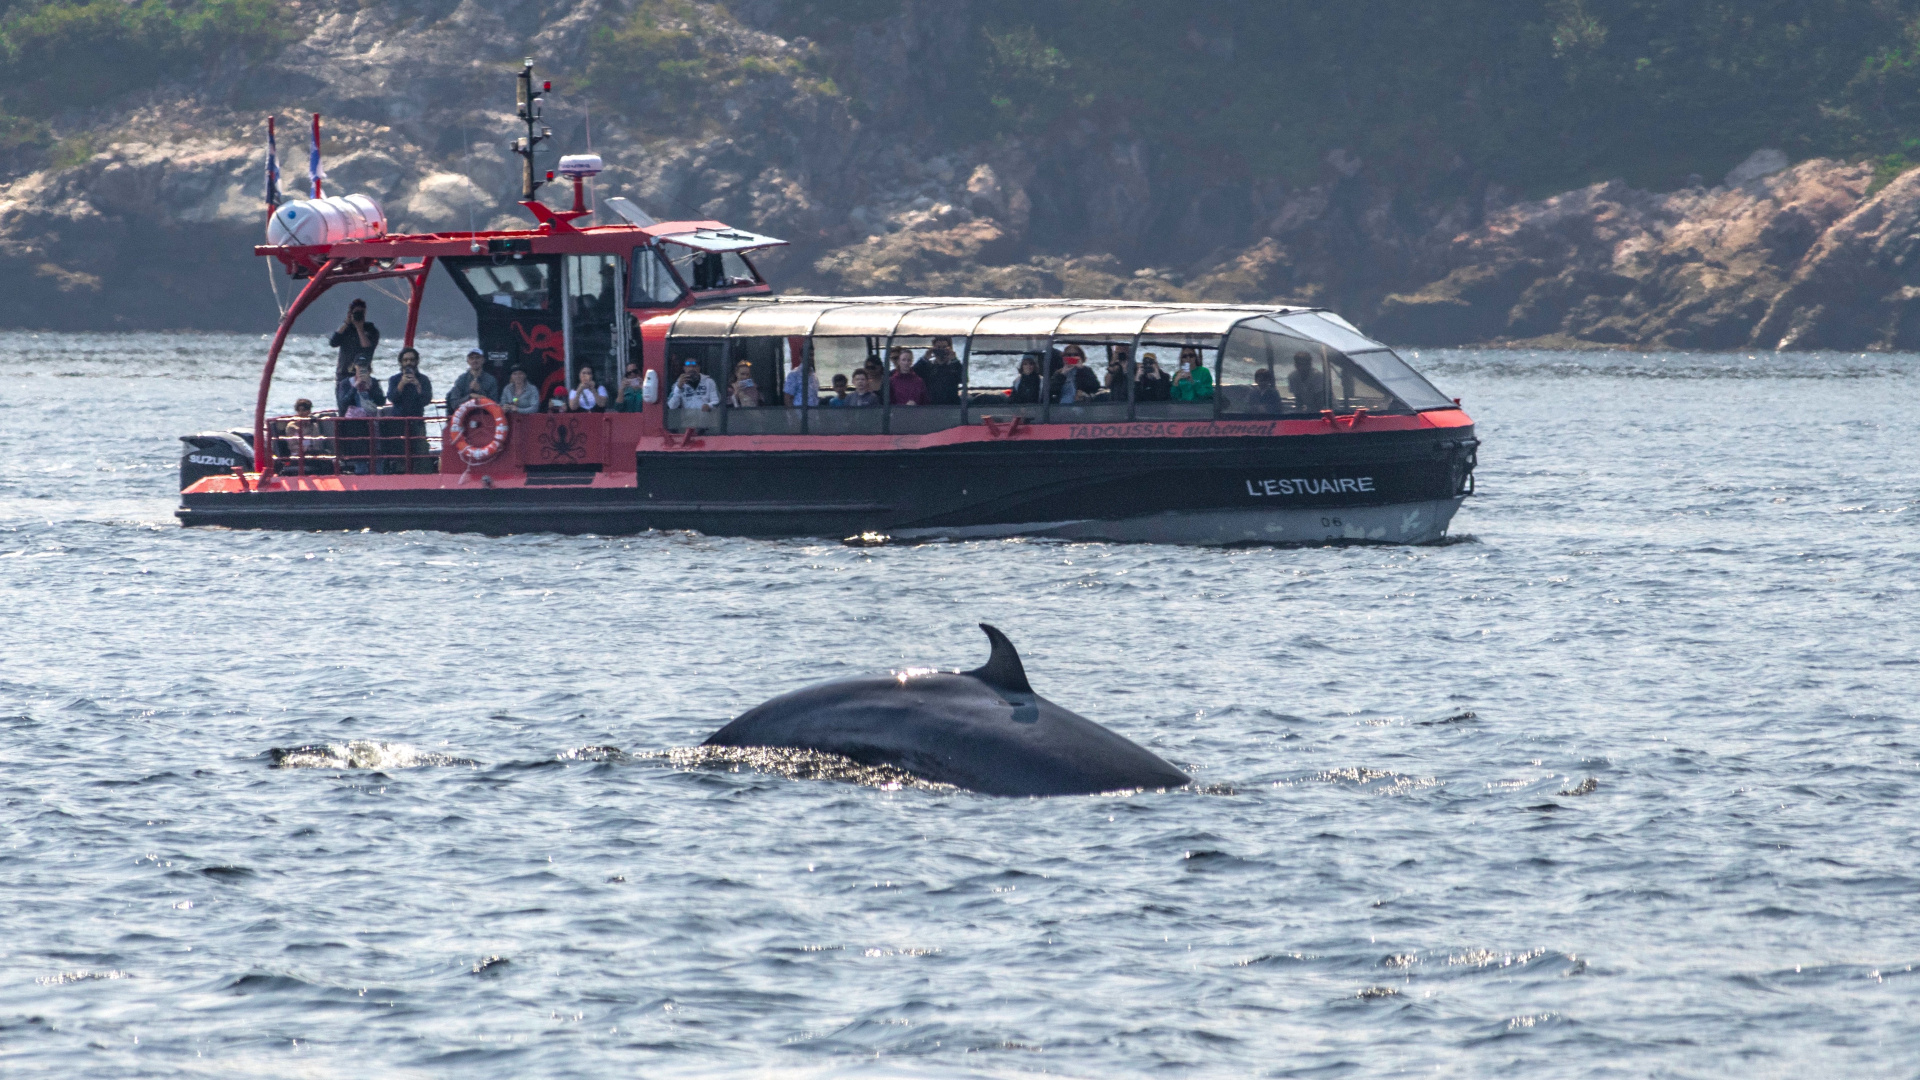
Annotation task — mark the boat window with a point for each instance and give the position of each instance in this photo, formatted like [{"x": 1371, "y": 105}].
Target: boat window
[
  {"x": 843, "y": 362},
  {"x": 1405, "y": 383},
  {"x": 707, "y": 355},
  {"x": 653, "y": 284},
  {"x": 1316, "y": 325},
  {"x": 995, "y": 388},
  {"x": 704, "y": 270},
  {"x": 759, "y": 409},
  {"x": 1267, "y": 372},
  {"x": 520, "y": 286},
  {"x": 1100, "y": 393}
]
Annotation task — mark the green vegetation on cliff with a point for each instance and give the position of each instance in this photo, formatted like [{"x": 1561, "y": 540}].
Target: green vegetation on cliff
[
  {"x": 1541, "y": 95},
  {"x": 61, "y": 55}
]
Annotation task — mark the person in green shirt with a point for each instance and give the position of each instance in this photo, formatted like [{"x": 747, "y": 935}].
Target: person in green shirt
[{"x": 1192, "y": 382}]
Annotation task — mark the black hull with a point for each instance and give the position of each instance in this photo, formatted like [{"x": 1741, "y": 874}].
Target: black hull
[{"x": 1055, "y": 487}]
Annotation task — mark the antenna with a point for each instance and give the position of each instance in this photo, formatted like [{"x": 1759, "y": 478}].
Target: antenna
[{"x": 527, "y": 106}]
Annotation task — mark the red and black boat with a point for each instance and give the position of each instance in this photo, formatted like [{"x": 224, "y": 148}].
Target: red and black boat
[{"x": 1026, "y": 417}]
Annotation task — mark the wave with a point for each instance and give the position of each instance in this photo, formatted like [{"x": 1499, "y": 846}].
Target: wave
[{"x": 360, "y": 754}]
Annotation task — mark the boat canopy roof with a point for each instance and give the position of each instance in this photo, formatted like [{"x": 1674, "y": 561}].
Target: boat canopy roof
[{"x": 961, "y": 316}]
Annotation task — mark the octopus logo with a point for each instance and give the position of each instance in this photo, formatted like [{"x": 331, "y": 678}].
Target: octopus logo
[
  {"x": 542, "y": 341},
  {"x": 563, "y": 443}
]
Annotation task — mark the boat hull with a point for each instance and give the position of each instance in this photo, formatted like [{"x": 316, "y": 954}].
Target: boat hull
[{"x": 1390, "y": 487}]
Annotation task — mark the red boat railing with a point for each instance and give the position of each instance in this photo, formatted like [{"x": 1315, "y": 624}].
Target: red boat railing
[{"x": 328, "y": 444}]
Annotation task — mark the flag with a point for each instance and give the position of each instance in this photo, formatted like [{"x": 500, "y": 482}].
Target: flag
[
  {"x": 273, "y": 167},
  {"x": 315, "y": 173}
]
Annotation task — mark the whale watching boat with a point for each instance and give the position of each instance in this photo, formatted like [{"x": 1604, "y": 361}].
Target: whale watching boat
[{"x": 1027, "y": 417}]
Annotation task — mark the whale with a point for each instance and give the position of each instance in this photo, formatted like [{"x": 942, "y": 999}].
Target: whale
[{"x": 983, "y": 730}]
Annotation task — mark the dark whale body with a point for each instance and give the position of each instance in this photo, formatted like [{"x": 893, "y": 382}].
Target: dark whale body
[{"x": 984, "y": 730}]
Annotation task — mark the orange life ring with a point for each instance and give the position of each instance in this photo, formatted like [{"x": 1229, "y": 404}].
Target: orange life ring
[{"x": 458, "y": 427}]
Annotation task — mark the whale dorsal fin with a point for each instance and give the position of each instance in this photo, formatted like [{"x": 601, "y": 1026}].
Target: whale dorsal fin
[{"x": 1002, "y": 669}]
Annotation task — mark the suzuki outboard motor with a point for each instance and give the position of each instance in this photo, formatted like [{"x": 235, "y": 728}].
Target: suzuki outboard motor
[{"x": 213, "y": 453}]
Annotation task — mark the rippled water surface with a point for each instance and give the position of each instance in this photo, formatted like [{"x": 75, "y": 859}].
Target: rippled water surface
[{"x": 1618, "y": 783}]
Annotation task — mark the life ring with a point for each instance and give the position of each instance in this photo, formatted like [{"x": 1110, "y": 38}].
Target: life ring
[{"x": 458, "y": 428}]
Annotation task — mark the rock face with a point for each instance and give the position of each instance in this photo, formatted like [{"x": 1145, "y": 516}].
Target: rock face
[{"x": 152, "y": 227}]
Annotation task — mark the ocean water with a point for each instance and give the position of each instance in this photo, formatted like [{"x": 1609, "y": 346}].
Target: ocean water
[{"x": 1619, "y": 782}]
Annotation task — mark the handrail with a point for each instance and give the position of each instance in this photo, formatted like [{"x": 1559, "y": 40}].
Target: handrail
[{"x": 356, "y": 445}]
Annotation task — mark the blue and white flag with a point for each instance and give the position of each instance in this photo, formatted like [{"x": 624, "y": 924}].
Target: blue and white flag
[
  {"x": 273, "y": 167},
  {"x": 315, "y": 173}
]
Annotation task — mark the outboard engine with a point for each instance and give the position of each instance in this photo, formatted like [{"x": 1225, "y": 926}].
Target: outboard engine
[{"x": 213, "y": 453}]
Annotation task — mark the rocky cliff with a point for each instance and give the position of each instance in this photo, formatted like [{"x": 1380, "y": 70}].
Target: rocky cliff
[{"x": 145, "y": 216}]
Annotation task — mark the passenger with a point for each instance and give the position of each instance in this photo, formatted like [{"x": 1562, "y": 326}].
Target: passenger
[
  {"x": 1026, "y": 386},
  {"x": 1119, "y": 374},
  {"x": 942, "y": 371},
  {"x": 1075, "y": 381},
  {"x": 358, "y": 395},
  {"x": 1153, "y": 384},
  {"x": 801, "y": 382},
  {"x": 743, "y": 394},
  {"x": 905, "y": 387},
  {"x": 864, "y": 396},
  {"x": 1264, "y": 399},
  {"x": 473, "y": 381},
  {"x": 840, "y": 388},
  {"x": 633, "y": 390},
  {"x": 693, "y": 389},
  {"x": 519, "y": 395},
  {"x": 589, "y": 396},
  {"x": 876, "y": 373},
  {"x": 1193, "y": 382},
  {"x": 410, "y": 391},
  {"x": 559, "y": 402},
  {"x": 1306, "y": 386},
  {"x": 356, "y": 339},
  {"x": 302, "y": 430}
]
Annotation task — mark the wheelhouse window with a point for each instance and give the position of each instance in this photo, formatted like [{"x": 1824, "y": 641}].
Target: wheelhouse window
[
  {"x": 653, "y": 283},
  {"x": 705, "y": 271},
  {"x": 516, "y": 285}
]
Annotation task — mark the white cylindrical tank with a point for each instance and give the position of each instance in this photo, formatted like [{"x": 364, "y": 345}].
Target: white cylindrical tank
[{"x": 335, "y": 219}]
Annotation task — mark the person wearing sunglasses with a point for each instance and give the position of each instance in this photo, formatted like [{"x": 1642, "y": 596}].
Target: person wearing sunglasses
[{"x": 693, "y": 389}]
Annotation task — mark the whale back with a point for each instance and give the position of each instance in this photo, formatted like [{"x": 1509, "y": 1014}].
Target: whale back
[{"x": 984, "y": 730}]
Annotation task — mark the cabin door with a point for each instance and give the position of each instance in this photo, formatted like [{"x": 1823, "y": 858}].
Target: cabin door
[{"x": 593, "y": 312}]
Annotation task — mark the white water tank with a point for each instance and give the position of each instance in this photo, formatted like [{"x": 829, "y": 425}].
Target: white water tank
[{"x": 335, "y": 219}]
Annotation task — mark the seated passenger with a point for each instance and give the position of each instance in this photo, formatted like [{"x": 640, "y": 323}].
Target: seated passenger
[
  {"x": 1119, "y": 374},
  {"x": 802, "y": 380},
  {"x": 743, "y": 394},
  {"x": 942, "y": 371},
  {"x": 358, "y": 395},
  {"x": 864, "y": 396},
  {"x": 1307, "y": 387},
  {"x": 558, "y": 404},
  {"x": 1075, "y": 381},
  {"x": 1026, "y": 386},
  {"x": 876, "y": 373},
  {"x": 519, "y": 395},
  {"x": 1153, "y": 384},
  {"x": 302, "y": 430},
  {"x": 633, "y": 390},
  {"x": 589, "y": 396},
  {"x": 1193, "y": 382},
  {"x": 840, "y": 388},
  {"x": 1264, "y": 399},
  {"x": 474, "y": 380},
  {"x": 410, "y": 390},
  {"x": 693, "y": 389},
  {"x": 906, "y": 387}
]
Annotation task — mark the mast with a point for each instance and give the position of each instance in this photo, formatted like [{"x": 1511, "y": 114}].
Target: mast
[{"x": 527, "y": 107}]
